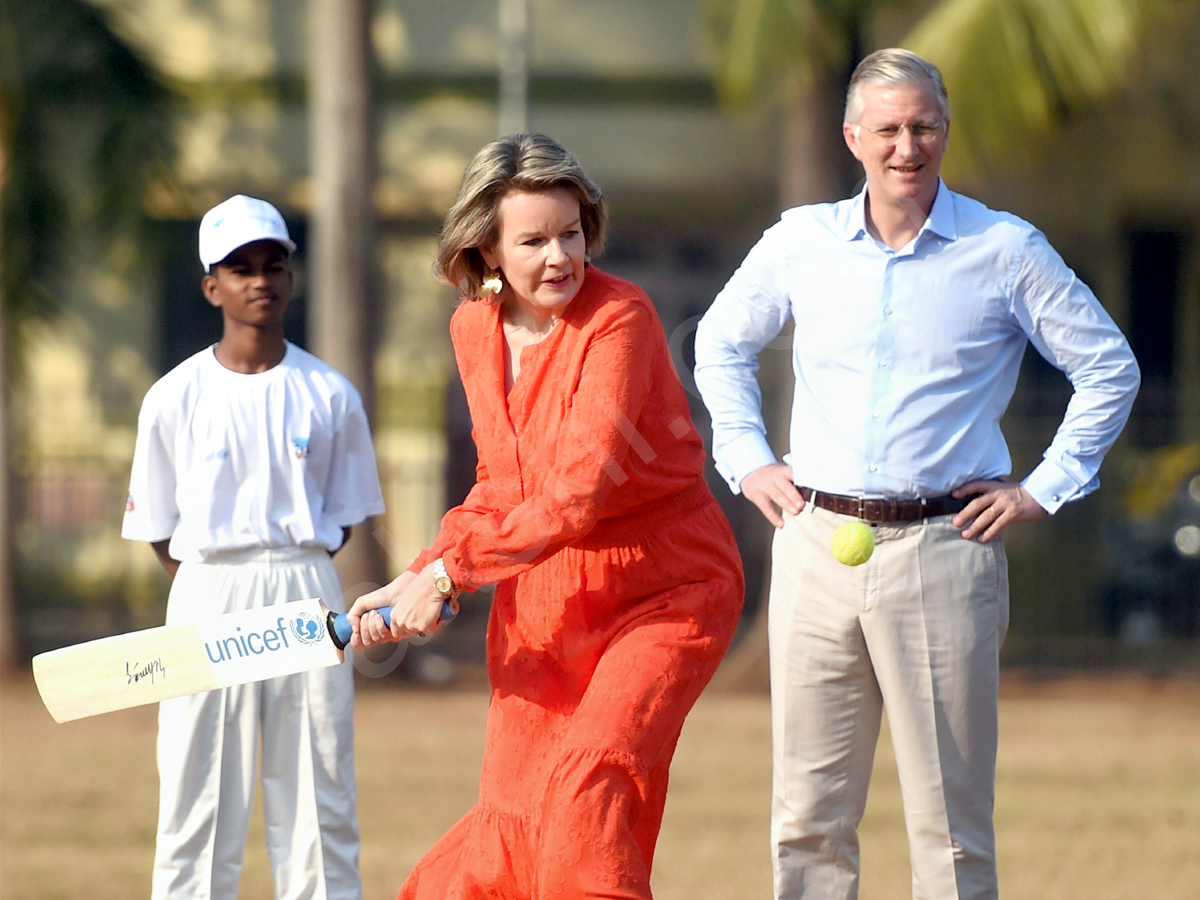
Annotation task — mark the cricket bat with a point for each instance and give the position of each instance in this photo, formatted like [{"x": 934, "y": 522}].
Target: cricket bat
[{"x": 152, "y": 665}]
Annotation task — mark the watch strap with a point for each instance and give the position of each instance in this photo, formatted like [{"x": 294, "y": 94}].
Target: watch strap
[{"x": 440, "y": 574}]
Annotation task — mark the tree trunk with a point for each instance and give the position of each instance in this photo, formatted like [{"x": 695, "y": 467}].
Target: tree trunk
[
  {"x": 9, "y": 645},
  {"x": 341, "y": 245},
  {"x": 513, "y": 100},
  {"x": 815, "y": 167}
]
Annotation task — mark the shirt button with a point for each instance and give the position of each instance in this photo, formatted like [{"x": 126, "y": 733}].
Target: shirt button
[
  {"x": 875, "y": 415},
  {"x": 1055, "y": 498},
  {"x": 874, "y": 468},
  {"x": 883, "y": 364},
  {"x": 888, "y": 311}
]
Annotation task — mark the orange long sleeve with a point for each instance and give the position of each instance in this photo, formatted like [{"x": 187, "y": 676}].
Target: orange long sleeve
[{"x": 615, "y": 445}]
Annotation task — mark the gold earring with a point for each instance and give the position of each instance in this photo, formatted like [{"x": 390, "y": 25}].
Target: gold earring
[{"x": 491, "y": 285}]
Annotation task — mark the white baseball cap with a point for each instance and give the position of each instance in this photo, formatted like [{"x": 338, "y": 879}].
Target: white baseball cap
[{"x": 238, "y": 221}]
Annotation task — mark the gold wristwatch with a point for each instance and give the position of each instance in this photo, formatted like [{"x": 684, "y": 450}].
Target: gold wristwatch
[{"x": 442, "y": 580}]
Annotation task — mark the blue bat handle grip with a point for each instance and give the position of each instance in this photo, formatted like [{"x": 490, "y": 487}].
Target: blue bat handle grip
[{"x": 341, "y": 632}]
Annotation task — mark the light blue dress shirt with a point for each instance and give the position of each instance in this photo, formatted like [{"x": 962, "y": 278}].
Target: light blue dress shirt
[{"x": 905, "y": 360}]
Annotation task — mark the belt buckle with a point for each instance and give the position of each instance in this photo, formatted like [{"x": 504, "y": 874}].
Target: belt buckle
[
  {"x": 862, "y": 508},
  {"x": 924, "y": 509}
]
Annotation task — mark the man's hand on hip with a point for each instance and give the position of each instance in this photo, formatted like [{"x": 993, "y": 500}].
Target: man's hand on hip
[
  {"x": 772, "y": 489},
  {"x": 998, "y": 505}
]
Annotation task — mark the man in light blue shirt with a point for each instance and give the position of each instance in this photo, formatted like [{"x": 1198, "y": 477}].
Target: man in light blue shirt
[{"x": 912, "y": 308}]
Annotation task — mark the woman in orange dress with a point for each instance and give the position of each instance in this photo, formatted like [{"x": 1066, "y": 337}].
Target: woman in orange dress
[{"x": 618, "y": 583}]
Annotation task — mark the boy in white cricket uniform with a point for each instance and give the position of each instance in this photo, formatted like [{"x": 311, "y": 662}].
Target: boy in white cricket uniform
[{"x": 253, "y": 459}]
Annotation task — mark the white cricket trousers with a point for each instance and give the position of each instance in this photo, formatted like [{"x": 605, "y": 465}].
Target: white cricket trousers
[
  {"x": 917, "y": 630},
  {"x": 208, "y": 749}
]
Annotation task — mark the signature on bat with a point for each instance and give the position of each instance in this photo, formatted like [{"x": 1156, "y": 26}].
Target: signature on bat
[{"x": 135, "y": 672}]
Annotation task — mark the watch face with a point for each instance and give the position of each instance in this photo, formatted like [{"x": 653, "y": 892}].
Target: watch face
[{"x": 442, "y": 583}]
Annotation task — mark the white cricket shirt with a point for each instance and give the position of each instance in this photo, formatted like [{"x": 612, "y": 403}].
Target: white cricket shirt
[{"x": 226, "y": 461}]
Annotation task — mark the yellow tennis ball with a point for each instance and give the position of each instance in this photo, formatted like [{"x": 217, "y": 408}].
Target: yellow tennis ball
[{"x": 852, "y": 544}]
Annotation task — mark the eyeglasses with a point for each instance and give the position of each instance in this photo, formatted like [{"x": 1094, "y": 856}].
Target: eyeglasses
[{"x": 922, "y": 132}]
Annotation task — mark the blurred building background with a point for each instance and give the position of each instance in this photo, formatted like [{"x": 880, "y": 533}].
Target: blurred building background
[{"x": 695, "y": 170}]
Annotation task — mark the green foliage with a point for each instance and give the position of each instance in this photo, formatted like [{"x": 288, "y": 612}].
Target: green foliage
[
  {"x": 83, "y": 121},
  {"x": 778, "y": 43},
  {"x": 1016, "y": 68}
]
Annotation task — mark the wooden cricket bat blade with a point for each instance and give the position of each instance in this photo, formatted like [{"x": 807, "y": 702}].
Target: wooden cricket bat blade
[{"x": 159, "y": 663}]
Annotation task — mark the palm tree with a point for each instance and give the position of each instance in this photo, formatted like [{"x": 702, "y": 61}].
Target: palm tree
[
  {"x": 60, "y": 58},
  {"x": 1016, "y": 69},
  {"x": 1013, "y": 68},
  {"x": 802, "y": 53},
  {"x": 341, "y": 146}
]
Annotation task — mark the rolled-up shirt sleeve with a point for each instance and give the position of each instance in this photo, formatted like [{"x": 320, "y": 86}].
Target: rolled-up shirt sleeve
[
  {"x": 1072, "y": 331},
  {"x": 747, "y": 315}
]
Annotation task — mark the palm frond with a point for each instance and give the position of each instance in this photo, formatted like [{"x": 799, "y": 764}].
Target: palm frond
[
  {"x": 1016, "y": 68},
  {"x": 765, "y": 43}
]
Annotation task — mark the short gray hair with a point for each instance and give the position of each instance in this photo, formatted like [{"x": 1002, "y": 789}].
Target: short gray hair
[
  {"x": 894, "y": 66},
  {"x": 519, "y": 162}
]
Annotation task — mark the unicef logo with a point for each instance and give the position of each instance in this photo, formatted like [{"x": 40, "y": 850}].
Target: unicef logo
[{"x": 308, "y": 629}]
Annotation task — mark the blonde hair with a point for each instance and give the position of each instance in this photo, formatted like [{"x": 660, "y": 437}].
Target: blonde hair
[
  {"x": 519, "y": 162},
  {"x": 891, "y": 67}
]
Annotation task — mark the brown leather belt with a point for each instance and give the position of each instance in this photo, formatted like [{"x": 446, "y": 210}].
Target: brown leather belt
[{"x": 883, "y": 509}]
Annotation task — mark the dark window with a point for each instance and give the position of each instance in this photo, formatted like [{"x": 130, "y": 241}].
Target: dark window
[
  {"x": 1155, "y": 262},
  {"x": 188, "y": 322}
]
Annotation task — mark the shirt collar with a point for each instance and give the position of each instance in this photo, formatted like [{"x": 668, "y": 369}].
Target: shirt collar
[
  {"x": 941, "y": 216},
  {"x": 940, "y": 220},
  {"x": 856, "y": 222}
]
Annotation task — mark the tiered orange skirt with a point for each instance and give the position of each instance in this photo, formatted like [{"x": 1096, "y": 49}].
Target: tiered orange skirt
[{"x": 595, "y": 656}]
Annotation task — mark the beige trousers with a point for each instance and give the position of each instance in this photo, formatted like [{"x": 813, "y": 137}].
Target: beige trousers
[{"x": 916, "y": 630}]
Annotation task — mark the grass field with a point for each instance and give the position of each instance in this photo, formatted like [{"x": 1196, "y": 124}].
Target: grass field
[{"x": 1098, "y": 795}]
